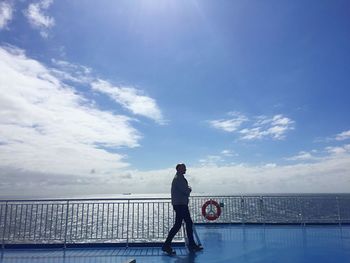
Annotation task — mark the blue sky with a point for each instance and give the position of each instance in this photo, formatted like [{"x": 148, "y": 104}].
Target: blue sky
[{"x": 104, "y": 97}]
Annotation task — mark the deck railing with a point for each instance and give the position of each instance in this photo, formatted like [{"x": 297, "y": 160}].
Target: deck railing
[
  {"x": 149, "y": 219},
  {"x": 85, "y": 221},
  {"x": 273, "y": 209}
]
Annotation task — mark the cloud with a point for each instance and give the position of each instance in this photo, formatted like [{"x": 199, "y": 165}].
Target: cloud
[
  {"x": 224, "y": 157},
  {"x": 270, "y": 165},
  {"x": 329, "y": 174},
  {"x": 342, "y": 136},
  {"x": 338, "y": 150},
  {"x": 326, "y": 174},
  {"x": 231, "y": 124},
  {"x": 131, "y": 99},
  {"x": 37, "y": 18},
  {"x": 302, "y": 156},
  {"x": 211, "y": 160},
  {"x": 329, "y": 152},
  {"x": 47, "y": 127},
  {"x": 6, "y": 11},
  {"x": 274, "y": 127},
  {"x": 345, "y": 135},
  {"x": 228, "y": 153},
  {"x": 72, "y": 72}
]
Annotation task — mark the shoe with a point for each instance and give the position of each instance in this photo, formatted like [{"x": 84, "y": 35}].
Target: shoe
[
  {"x": 167, "y": 249},
  {"x": 195, "y": 248}
]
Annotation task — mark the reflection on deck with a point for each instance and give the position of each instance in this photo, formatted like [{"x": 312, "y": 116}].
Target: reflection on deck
[{"x": 222, "y": 243}]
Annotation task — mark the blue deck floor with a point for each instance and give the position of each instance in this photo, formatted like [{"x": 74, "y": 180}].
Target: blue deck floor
[{"x": 230, "y": 243}]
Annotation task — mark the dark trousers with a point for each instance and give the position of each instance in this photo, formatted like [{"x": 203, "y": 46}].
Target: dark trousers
[{"x": 182, "y": 213}]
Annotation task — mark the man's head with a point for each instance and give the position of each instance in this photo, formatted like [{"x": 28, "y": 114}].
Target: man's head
[{"x": 181, "y": 168}]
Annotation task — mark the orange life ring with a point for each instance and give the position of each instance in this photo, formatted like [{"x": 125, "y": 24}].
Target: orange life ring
[{"x": 211, "y": 215}]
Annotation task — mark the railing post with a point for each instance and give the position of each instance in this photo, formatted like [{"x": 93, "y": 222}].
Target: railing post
[
  {"x": 261, "y": 210},
  {"x": 3, "y": 232},
  {"x": 185, "y": 234},
  {"x": 127, "y": 225},
  {"x": 301, "y": 216},
  {"x": 338, "y": 210},
  {"x": 66, "y": 225},
  {"x": 242, "y": 207}
]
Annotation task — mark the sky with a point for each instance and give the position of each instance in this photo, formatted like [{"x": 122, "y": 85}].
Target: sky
[{"x": 106, "y": 97}]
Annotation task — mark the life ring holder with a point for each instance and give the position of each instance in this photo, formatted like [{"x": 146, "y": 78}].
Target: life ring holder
[{"x": 211, "y": 215}]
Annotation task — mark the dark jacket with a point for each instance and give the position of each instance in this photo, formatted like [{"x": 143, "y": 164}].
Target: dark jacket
[{"x": 180, "y": 190}]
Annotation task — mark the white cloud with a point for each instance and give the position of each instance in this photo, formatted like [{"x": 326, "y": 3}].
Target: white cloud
[
  {"x": 131, "y": 99},
  {"x": 231, "y": 124},
  {"x": 252, "y": 133},
  {"x": 37, "y": 18},
  {"x": 211, "y": 160},
  {"x": 275, "y": 127},
  {"x": 329, "y": 174},
  {"x": 75, "y": 73},
  {"x": 228, "y": 153},
  {"x": 226, "y": 125},
  {"x": 345, "y": 135},
  {"x": 46, "y": 127},
  {"x": 72, "y": 72},
  {"x": 6, "y": 11},
  {"x": 270, "y": 165},
  {"x": 329, "y": 152},
  {"x": 302, "y": 156},
  {"x": 338, "y": 150},
  {"x": 223, "y": 158}
]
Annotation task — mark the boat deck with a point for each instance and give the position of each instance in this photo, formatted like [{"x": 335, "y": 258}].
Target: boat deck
[{"x": 222, "y": 243}]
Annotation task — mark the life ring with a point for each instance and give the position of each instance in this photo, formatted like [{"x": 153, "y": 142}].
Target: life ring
[{"x": 211, "y": 214}]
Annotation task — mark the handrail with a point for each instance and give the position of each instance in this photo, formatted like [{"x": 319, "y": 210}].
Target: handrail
[{"x": 314, "y": 195}]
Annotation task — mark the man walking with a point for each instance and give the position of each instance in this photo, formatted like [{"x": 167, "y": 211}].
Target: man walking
[{"x": 180, "y": 192}]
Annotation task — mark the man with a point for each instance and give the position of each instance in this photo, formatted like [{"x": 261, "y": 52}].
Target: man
[{"x": 180, "y": 192}]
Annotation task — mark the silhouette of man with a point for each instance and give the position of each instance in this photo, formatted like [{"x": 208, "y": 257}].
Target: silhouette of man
[{"x": 180, "y": 192}]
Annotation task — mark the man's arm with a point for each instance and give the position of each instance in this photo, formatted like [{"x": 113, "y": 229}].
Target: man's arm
[{"x": 182, "y": 186}]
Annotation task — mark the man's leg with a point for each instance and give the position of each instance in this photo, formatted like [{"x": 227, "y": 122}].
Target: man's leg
[
  {"x": 192, "y": 246},
  {"x": 189, "y": 226},
  {"x": 178, "y": 220}
]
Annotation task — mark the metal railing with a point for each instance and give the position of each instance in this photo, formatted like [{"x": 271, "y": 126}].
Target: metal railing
[
  {"x": 127, "y": 221},
  {"x": 274, "y": 209},
  {"x": 85, "y": 221}
]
